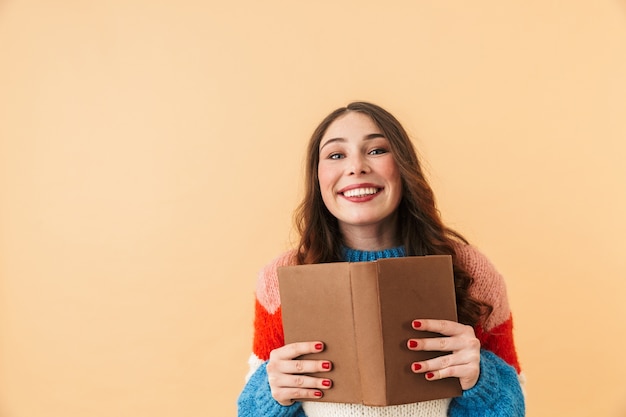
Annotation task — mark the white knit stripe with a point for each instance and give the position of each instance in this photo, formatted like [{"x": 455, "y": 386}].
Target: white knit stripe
[
  {"x": 253, "y": 362},
  {"x": 436, "y": 408},
  {"x": 522, "y": 381}
]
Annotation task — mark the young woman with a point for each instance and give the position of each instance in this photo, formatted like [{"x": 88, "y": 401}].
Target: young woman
[{"x": 366, "y": 199}]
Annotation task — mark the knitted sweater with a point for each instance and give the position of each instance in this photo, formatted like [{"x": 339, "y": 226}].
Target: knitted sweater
[{"x": 497, "y": 392}]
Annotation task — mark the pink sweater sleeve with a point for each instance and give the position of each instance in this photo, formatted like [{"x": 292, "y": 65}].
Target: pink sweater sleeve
[
  {"x": 268, "y": 326},
  {"x": 496, "y": 333}
]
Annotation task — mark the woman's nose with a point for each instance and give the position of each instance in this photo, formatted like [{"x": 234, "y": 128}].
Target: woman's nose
[{"x": 359, "y": 165}]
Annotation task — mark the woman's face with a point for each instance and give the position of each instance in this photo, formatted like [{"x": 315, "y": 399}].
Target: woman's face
[{"x": 359, "y": 179}]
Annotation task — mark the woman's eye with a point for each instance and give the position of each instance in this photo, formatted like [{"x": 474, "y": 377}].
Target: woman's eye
[
  {"x": 378, "y": 151},
  {"x": 335, "y": 156}
]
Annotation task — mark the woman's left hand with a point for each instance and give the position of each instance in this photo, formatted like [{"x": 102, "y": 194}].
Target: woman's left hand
[{"x": 464, "y": 360}]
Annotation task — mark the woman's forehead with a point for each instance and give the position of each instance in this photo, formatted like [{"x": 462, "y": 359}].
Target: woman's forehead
[{"x": 350, "y": 125}]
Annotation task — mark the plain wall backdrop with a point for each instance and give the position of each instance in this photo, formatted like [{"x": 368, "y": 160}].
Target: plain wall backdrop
[{"x": 151, "y": 156}]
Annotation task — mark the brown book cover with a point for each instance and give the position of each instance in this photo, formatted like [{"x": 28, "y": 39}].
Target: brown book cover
[{"x": 362, "y": 311}]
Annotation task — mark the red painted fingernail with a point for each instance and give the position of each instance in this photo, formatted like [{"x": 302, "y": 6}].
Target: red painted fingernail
[
  {"x": 417, "y": 324},
  {"x": 417, "y": 367},
  {"x": 412, "y": 343},
  {"x": 326, "y": 382},
  {"x": 319, "y": 346},
  {"x": 318, "y": 393},
  {"x": 430, "y": 375},
  {"x": 326, "y": 365}
]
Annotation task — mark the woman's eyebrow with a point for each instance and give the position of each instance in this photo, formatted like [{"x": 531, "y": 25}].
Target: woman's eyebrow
[
  {"x": 367, "y": 137},
  {"x": 331, "y": 141}
]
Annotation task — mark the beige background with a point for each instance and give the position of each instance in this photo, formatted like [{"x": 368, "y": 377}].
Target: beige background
[{"x": 150, "y": 159}]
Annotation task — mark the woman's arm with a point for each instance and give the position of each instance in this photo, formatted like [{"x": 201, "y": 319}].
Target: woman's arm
[
  {"x": 496, "y": 332},
  {"x": 496, "y": 394},
  {"x": 276, "y": 379},
  {"x": 491, "y": 387},
  {"x": 256, "y": 399}
]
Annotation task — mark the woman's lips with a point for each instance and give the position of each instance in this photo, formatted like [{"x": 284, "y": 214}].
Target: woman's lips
[{"x": 360, "y": 192}]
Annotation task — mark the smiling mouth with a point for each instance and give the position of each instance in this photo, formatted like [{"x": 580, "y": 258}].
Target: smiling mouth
[{"x": 361, "y": 192}]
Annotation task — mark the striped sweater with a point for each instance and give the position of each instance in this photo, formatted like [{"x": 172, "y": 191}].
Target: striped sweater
[{"x": 498, "y": 385}]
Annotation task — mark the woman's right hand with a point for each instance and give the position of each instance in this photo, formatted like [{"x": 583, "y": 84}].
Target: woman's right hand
[{"x": 286, "y": 376}]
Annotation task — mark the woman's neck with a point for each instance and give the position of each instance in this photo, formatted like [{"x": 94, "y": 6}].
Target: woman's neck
[{"x": 369, "y": 238}]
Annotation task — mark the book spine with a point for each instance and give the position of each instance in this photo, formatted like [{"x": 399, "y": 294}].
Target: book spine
[{"x": 368, "y": 332}]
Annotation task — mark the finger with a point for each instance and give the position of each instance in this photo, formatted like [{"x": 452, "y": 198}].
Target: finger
[
  {"x": 288, "y": 388},
  {"x": 300, "y": 381},
  {"x": 463, "y": 372},
  {"x": 433, "y": 364},
  {"x": 293, "y": 350},
  {"x": 449, "y": 372},
  {"x": 467, "y": 373},
  {"x": 442, "y": 362},
  {"x": 303, "y": 366},
  {"x": 287, "y": 396},
  {"x": 297, "y": 366},
  {"x": 434, "y": 375},
  {"x": 445, "y": 327},
  {"x": 444, "y": 344}
]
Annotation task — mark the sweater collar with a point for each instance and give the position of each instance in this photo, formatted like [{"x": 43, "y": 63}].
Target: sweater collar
[{"x": 355, "y": 255}]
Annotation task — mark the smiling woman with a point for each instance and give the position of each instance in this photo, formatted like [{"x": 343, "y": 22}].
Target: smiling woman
[{"x": 366, "y": 198}]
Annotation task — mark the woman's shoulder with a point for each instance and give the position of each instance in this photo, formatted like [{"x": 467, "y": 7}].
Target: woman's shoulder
[
  {"x": 267, "y": 280},
  {"x": 269, "y": 272},
  {"x": 476, "y": 263}
]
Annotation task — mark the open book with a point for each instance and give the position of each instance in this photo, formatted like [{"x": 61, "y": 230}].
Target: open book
[{"x": 362, "y": 312}]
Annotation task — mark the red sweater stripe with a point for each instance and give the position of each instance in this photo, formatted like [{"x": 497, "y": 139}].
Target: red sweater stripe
[
  {"x": 499, "y": 340},
  {"x": 268, "y": 331}
]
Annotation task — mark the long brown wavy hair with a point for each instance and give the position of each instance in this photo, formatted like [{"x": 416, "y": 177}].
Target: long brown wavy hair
[{"x": 420, "y": 227}]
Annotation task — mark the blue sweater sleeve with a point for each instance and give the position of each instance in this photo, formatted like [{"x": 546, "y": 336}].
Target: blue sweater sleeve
[
  {"x": 256, "y": 399},
  {"x": 496, "y": 394}
]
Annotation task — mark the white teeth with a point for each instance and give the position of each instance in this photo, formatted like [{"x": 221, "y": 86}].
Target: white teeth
[{"x": 360, "y": 192}]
